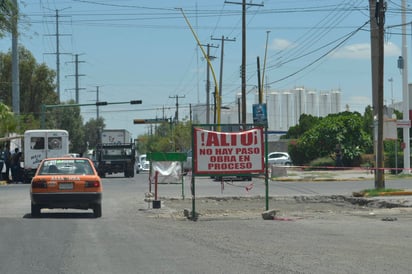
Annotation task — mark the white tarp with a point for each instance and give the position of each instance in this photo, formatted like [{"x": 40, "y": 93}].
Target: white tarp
[{"x": 168, "y": 171}]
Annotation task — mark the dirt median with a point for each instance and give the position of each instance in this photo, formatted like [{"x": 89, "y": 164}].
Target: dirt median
[{"x": 287, "y": 208}]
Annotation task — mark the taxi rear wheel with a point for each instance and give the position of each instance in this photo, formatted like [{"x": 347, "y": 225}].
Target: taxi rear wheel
[
  {"x": 97, "y": 210},
  {"x": 35, "y": 210}
]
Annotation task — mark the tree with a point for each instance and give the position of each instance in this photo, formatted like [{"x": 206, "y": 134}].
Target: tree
[
  {"x": 167, "y": 138},
  {"x": 368, "y": 120},
  {"x": 7, "y": 12},
  {"x": 93, "y": 129},
  {"x": 8, "y": 121},
  {"x": 344, "y": 129},
  {"x": 36, "y": 83},
  {"x": 69, "y": 118},
  {"x": 306, "y": 122}
]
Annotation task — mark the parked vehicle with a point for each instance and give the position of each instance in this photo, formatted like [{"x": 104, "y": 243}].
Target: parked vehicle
[
  {"x": 142, "y": 164},
  {"x": 66, "y": 182},
  {"x": 40, "y": 144},
  {"x": 279, "y": 158},
  {"x": 115, "y": 153}
]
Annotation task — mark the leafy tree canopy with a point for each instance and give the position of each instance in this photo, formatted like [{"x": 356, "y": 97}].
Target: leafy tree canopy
[
  {"x": 8, "y": 121},
  {"x": 36, "y": 83},
  {"x": 167, "y": 138},
  {"x": 344, "y": 129},
  {"x": 92, "y": 130},
  {"x": 69, "y": 118},
  {"x": 8, "y": 12}
]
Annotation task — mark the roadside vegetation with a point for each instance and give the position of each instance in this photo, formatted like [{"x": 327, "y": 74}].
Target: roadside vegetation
[{"x": 379, "y": 192}]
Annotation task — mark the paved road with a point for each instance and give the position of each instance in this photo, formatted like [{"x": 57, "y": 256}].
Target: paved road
[{"x": 130, "y": 238}]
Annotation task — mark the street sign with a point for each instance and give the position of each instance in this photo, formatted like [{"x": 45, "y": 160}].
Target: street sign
[{"x": 403, "y": 123}]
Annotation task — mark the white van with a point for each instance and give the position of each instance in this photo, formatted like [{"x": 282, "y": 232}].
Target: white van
[
  {"x": 142, "y": 164},
  {"x": 40, "y": 144}
]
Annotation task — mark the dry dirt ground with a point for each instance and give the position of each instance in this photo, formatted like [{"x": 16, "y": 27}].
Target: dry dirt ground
[{"x": 287, "y": 208}]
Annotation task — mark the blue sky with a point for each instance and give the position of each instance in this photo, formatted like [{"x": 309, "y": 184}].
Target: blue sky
[{"x": 144, "y": 50}]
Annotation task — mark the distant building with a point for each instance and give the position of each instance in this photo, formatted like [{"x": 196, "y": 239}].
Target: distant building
[{"x": 284, "y": 108}]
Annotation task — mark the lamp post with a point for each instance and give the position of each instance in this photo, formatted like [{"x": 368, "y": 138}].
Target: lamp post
[
  {"x": 391, "y": 81},
  {"x": 100, "y": 103}
]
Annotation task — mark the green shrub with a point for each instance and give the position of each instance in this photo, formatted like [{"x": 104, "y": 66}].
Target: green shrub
[{"x": 322, "y": 162}]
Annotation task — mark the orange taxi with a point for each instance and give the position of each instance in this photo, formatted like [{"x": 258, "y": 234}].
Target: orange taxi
[{"x": 66, "y": 182}]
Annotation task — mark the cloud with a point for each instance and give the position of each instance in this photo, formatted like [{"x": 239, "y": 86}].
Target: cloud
[
  {"x": 281, "y": 44},
  {"x": 363, "y": 51},
  {"x": 392, "y": 50}
]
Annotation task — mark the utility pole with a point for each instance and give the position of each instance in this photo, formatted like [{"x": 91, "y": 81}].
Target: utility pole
[
  {"x": 76, "y": 76},
  {"x": 208, "y": 82},
  {"x": 177, "y": 106},
  {"x": 259, "y": 85},
  {"x": 405, "y": 93},
  {"x": 223, "y": 39},
  {"x": 391, "y": 81},
  {"x": 15, "y": 61},
  {"x": 380, "y": 182},
  {"x": 244, "y": 55},
  {"x": 58, "y": 53},
  {"x": 264, "y": 63},
  {"x": 377, "y": 22},
  {"x": 97, "y": 100}
]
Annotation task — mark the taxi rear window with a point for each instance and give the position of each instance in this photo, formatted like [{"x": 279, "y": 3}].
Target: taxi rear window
[{"x": 66, "y": 166}]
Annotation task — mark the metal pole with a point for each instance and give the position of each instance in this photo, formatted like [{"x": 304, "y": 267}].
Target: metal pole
[
  {"x": 15, "y": 62},
  {"x": 405, "y": 92},
  {"x": 208, "y": 87},
  {"x": 244, "y": 63},
  {"x": 57, "y": 56},
  {"x": 264, "y": 62},
  {"x": 97, "y": 100}
]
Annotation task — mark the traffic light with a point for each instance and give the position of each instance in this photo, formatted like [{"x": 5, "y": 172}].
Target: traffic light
[
  {"x": 150, "y": 121},
  {"x": 139, "y": 121},
  {"x": 135, "y": 102},
  {"x": 101, "y": 103}
]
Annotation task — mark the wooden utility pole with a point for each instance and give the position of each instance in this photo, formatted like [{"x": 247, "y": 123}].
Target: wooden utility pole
[
  {"x": 177, "y": 106},
  {"x": 243, "y": 69},
  {"x": 259, "y": 86},
  {"x": 377, "y": 22},
  {"x": 222, "y": 44}
]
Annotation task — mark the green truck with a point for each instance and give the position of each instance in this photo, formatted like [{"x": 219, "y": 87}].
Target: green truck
[{"x": 116, "y": 153}]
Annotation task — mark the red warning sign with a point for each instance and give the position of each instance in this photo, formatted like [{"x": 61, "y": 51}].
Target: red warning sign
[{"x": 228, "y": 152}]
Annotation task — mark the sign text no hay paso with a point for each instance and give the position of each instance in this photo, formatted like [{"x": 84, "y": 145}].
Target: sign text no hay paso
[{"x": 228, "y": 152}]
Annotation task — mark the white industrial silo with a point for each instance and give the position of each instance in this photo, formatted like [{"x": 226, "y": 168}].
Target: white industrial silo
[
  {"x": 312, "y": 103},
  {"x": 300, "y": 103},
  {"x": 274, "y": 110},
  {"x": 287, "y": 111},
  {"x": 324, "y": 104},
  {"x": 335, "y": 101}
]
